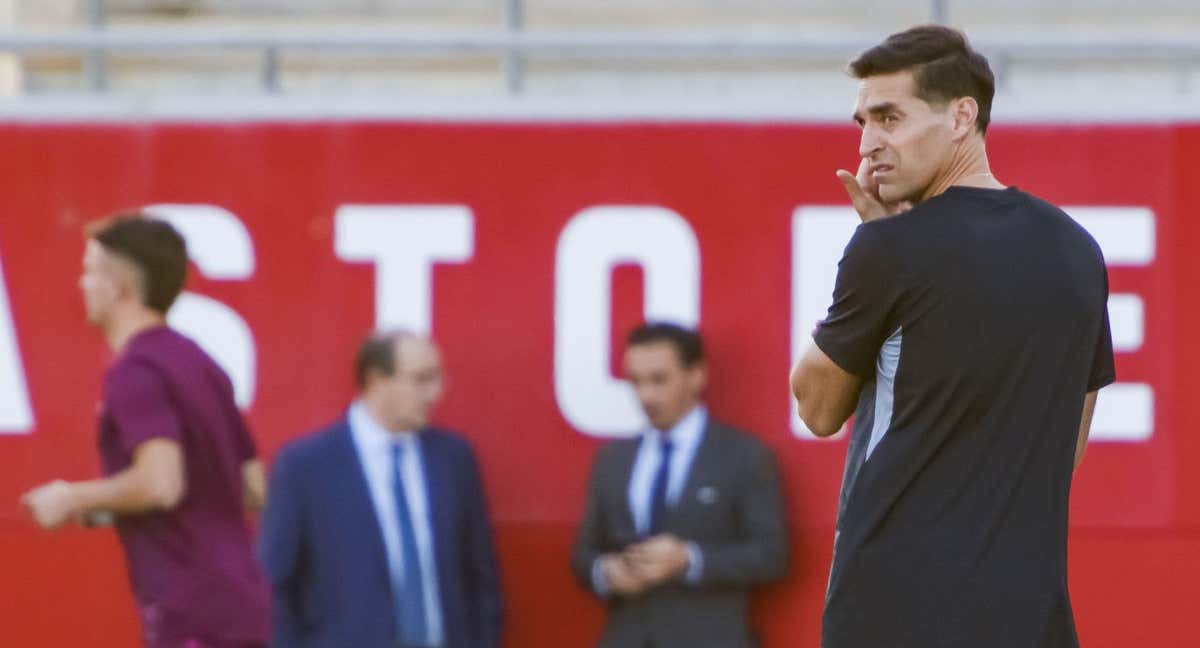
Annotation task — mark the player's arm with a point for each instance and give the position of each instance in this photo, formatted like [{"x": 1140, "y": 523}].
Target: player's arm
[
  {"x": 1085, "y": 426},
  {"x": 254, "y": 485},
  {"x": 154, "y": 481},
  {"x": 829, "y": 375},
  {"x": 825, "y": 393}
]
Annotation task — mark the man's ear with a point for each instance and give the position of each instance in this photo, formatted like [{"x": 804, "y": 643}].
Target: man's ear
[
  {"x": 965, "y": 111},
  {"x": 372, "y": 377},
  {"x": 126, "y": 280}
]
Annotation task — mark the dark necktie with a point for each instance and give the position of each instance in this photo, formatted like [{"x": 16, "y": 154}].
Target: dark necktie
[
  {"x": 409, "y": 594},
  {"x": 658, "y": 493}
]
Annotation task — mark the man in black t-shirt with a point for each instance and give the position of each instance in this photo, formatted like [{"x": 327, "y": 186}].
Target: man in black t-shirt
[{"x": 968, "y": 335}]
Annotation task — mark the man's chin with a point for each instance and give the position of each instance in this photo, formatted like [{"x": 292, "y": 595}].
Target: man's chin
[{"x": 891, "y": 194}]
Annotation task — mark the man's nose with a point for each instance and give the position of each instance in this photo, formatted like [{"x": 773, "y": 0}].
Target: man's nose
[{"x": 869, "y": 144}]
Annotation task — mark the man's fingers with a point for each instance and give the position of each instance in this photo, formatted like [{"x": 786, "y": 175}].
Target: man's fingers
[
  {"x": 858, "y": 197},
  {"x": 29, "y": 500},
  {"x": 848, "y": 180},
  {"x": 865, "y": 202}
]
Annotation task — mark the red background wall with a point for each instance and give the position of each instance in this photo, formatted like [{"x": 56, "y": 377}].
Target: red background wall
[{"x": 1135, "y": 544}]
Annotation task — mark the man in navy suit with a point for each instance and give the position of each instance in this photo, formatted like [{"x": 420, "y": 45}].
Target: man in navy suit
[{"x": 376, "y": 531}]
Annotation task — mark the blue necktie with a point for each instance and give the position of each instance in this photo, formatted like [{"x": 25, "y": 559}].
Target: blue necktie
[
  {"x": 658, "y": 493},
  {"x": 409, "y": 593}
]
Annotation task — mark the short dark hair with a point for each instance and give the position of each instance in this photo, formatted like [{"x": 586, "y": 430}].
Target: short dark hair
[
  {"x": 944, "y": 66},
  {"x": 689, "y": 346},
  {"x": 377, "y": 353},
  {"x": 154, "y": 247}
]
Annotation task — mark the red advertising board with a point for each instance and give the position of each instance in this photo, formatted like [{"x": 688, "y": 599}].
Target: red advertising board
[{"x": 527, "y": 250}]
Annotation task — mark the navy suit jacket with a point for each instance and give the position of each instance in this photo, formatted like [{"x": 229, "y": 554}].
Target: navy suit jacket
[{"x": 324, "y": 555}]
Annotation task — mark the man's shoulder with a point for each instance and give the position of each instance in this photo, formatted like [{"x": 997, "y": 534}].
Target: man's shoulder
[
  {"x": 452, "y": 444},
  {"x": 125, "y": 367},
  {"x": 163, "y": 353},
  {"x": 735, "y": 440},
  {"x": 1038, "y": 203},
  {"x": 162, "y": 345},
  {"x": 618, "y": 448},
  {"x": 931, "y": 223},
  {"x": 313, "y": 445},
  {"x": 1058, "y": 216},
  {"x": 445, "y": 435},
  {"x": 1054, "y": 222},
  {"x": 732, "y": 433},
  {"x": 614, "y": 455}
]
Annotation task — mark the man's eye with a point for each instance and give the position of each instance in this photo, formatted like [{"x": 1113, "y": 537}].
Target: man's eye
[{"x": 890, "y": 119}]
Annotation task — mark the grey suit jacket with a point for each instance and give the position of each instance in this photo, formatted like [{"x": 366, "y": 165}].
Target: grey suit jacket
[{"x": 730, "y": 507}]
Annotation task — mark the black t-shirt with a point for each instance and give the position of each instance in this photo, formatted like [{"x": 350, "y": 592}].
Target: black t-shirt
[{"x": 979, "y": 321}]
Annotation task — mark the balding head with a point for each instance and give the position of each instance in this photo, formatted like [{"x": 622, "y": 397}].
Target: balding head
[{"x": 399, "y": 374}]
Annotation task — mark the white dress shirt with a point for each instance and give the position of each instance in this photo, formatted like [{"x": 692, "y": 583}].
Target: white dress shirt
[
  {"x": 685, "y": 436},
  {"x": 374, "y": 443}
]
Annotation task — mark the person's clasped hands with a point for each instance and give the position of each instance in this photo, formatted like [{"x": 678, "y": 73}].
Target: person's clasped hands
[{"x": 646, "y": 564}]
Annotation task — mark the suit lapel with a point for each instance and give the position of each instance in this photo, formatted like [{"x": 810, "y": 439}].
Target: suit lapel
[
  {"x": 626, "y": 458},
  {"x": 704, "y": 465},
  {"x": 436, "y": 472},
  {"x": 437, "y": 468},
  {"x": 357, "y": 508}
]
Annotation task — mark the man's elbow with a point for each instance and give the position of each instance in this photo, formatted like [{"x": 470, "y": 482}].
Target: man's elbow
[
  {"x": 164, "y": 493},
  {"x": 821, "y": 425},
  {"x": 819, "y": 420}
]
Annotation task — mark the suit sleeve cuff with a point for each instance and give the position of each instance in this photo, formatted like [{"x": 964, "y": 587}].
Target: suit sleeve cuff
[
  {"x": 599, "y": 582},
  {"x": 695, "y": 567}
]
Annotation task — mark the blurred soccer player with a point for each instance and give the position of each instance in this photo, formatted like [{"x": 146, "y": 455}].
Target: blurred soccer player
[
  {"x": 968, "y": 334},
  {"x": 179, "y": 462}
]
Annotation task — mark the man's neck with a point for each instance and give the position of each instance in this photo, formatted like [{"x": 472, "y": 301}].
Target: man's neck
[
  {"x": 125, "y": 326},
  {"x": 376, "y": 411},
  {"x": 686, "y": 413},
  {"x": 968, "y": 167}
]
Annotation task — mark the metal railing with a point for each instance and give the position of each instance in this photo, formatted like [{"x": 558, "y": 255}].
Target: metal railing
[{"x": 513, "y": 46}]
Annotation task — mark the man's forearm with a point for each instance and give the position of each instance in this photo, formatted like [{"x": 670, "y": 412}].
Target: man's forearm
[
  {"x": 826, "y": 395},
  {"x": 125, "y": 493},
  {"x": 254, "y": 485}
]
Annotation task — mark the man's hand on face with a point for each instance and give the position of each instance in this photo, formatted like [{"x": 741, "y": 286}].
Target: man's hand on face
[
  {"x": 620, "y": 575},
  {"x": 51, "y": 505},
  {"x": 864, "y": 194},
  {"x": 659, "y": 559}
]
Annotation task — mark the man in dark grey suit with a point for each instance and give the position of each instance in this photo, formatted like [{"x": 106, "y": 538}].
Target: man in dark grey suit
[{"x": 682, "y": 520}]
